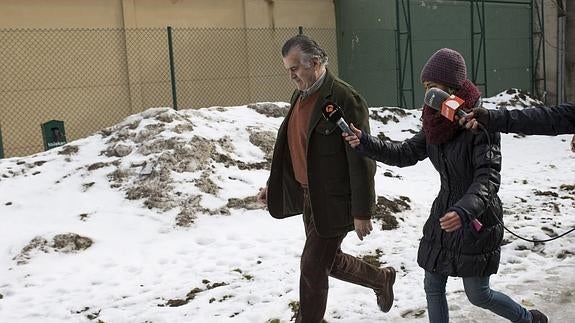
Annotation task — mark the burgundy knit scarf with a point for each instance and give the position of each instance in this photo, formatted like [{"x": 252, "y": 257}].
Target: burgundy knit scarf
[{"x": 437, "y": 128}]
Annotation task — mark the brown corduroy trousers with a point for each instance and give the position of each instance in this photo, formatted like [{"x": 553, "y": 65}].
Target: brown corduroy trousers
[{"x": 321, "y": 258}]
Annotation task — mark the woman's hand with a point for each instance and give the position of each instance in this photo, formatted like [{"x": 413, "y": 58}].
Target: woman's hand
[
  {"x": 352, "y": 138},
  {"x": 450, "y": 221}
]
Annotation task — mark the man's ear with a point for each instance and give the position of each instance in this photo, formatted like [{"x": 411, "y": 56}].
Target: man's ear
[{"x": 315, "y": 61}]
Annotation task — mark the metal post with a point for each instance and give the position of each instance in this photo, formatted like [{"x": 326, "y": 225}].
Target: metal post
[
  {"x": 1, "y": 146},
  {"x": 405, "y": 62},
  {"x": 478, "y": 55},
  {"x": 172, "y": 69},
  {"x": 538, "y": 51},
  {"x": 560, "y": 60}
]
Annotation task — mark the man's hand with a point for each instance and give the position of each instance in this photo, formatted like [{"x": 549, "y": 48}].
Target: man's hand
[
  {"x": 352, "y": 138},
  {"x": 362, "y": 227},
  {"x": 450, "y": 221},
  {"x": 478, "y": 118},
  {"x": 262, "y": 196}
]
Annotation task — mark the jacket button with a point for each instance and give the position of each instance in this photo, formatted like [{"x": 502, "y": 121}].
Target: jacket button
[{"x": 326, "y": 131}]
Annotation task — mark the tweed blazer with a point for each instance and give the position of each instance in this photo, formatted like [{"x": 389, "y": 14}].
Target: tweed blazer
[{"x": 341, "y": 182}]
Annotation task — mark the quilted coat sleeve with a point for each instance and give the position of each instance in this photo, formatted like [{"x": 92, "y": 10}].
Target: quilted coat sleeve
[
  {"x": 361, "y": 169},
  {"x": 552, "y": 121},
  {"x": 401, "y": 154}
]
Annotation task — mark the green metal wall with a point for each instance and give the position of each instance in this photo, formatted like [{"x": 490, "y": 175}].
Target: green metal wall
[
  {"x": 383, "y": 44},
  {"x": 366, "y": 48}
]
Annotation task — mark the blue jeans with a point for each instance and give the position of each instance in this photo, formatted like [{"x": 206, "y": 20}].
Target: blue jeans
[{"x": 479, "y": 294}]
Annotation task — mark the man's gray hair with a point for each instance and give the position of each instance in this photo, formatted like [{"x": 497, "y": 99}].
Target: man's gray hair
[{"x": 309, "y": 48}]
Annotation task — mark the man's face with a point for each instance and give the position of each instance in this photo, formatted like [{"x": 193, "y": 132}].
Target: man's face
[{"x": 303, "y": 76}]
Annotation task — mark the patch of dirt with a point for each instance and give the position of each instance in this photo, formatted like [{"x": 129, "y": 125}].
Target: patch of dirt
[
  {"x": 249, "y": 203},
  {"x": 518, "y": 98},
  {"x": 146, "y": 134},
  {"x": 65, "y": 242},
  {"x": 414, "y": 313},
  {"x": 120, "y": 174},
  {"x": 191, "y": 294},
  {"x": 97, "y": 165},
  {"x": 183, "y": 127},
  {"x": 156, "y": 194},
  {"x": 70, "y": 242},
  {"x": 69, "y": 150},
  {"x": 206, "y": 185},
  {"x": 270, "y": 109},
  {"x": 189, "y": 208},
  {"x": 226, "y": 143},
  {"x": 383, "y": 119},
  {"x": 373, "y": 259},
  {"x": 166, "y": 117},
  {"x": 118, "y": 150},
  {"x": 264, "y": 140},
  {"x": 386, "y": 208},
  {"x": 87, "y": 186},
  {"x": 228, "y": 161},
  {"x": 545, "y": 193}
]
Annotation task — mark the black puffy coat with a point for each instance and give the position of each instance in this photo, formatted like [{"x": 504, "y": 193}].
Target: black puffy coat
[
  {"x": 556, "y": 120},
  {"x": 465, "y": 166}
]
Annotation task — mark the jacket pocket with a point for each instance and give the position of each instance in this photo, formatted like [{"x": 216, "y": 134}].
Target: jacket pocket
[
  {"x": 325, "y": 127},
  {"x": 327, "y": 138},
  {"x": 338, "y": 201}
]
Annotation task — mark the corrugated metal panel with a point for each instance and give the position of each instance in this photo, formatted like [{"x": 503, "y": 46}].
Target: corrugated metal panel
[
  {"x": 375, "y": 58},
  {"x": 366, "y": 48}
]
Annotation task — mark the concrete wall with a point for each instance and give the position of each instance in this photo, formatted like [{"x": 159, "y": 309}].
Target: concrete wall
[
  {"x": 570, "y": 51},
  {"x": 550, "y": 28},
  {"x": 161, "y": 13},
  {"x": 552, "y": 13}
]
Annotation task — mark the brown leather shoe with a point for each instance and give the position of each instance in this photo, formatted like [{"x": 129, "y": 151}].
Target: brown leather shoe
[
  {"x": 385, "y": 295},
  {"x": 538, "y": 317}
]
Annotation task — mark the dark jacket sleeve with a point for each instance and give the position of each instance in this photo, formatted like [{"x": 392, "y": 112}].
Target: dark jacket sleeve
[
  {"x": 486, "y": 160},
  {"x": 361, "y": 169},
  {"x": 556, "y": 120},
  {"x": 401, "y": 154}
]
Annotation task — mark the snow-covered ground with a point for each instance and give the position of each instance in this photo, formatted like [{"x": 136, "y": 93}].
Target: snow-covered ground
[{"x": 154, "y": 220}]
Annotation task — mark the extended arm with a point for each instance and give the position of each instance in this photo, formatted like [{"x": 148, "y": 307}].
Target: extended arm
[{"x": 555, "y": 120}]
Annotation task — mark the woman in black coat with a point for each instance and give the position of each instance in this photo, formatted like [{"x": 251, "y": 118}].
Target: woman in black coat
[{"x": 462, "y": 236}]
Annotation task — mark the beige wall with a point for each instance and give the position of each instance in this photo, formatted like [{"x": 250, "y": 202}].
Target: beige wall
[
  {"x": 60, "y": 13},
  {"x": 162, "y": 13},
  {"x": 229, "y": 13},
  {"x": 117, "y": 64}
]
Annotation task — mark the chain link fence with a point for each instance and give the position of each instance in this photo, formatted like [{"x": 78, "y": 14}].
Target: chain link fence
[{"x": 93, "y": 78}]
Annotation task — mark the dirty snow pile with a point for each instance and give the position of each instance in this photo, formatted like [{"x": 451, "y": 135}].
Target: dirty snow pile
[{"x": 155, "y": 220}]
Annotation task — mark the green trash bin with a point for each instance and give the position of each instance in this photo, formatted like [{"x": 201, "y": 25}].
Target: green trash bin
[{"x": 54, "y": 134}]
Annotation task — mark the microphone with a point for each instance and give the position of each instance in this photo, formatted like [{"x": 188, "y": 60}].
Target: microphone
[
  {"x": 448, "y": 105},
  {"x": 332, "y": 112}
]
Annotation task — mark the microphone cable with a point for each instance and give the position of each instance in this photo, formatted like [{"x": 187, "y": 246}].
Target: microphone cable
[{"x": 490, "y": 197}]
